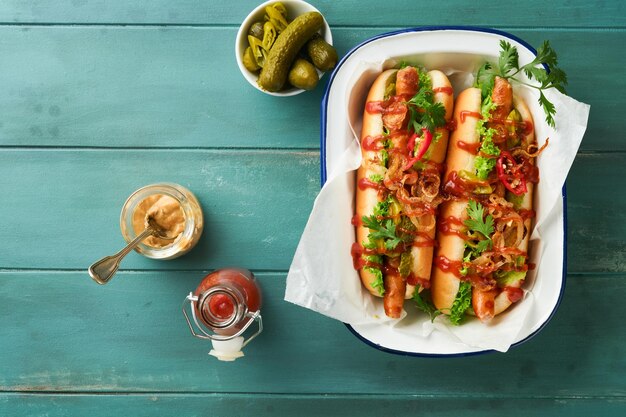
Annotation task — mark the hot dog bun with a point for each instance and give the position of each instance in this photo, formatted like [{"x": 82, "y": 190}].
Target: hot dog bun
[
  {"x": 367, "y": 198},
  {"x": 368, "y": 195},
  {"x": 503, "y": 300},
  {"x": 423, "y": 255},
  {"x": 492, "y": 290},
  {"x": 445, "y": 284}
]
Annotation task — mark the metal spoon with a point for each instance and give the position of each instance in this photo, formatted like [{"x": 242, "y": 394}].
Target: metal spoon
[{"x": 103, "y": 270}]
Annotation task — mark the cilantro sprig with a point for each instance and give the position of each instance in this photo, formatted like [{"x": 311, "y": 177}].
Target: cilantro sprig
[
  {"x": 423, "y": 111},
  {"x": 508, "y": 67},
  {"x": 388, "y": 231},
  {"x": 479, "y": 223},
  {"x": 385, "y": 235},
  {"x": 385, "y": 230}
]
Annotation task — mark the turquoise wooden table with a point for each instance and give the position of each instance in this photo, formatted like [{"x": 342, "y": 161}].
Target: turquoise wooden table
[{"x": 100, "y": 98}]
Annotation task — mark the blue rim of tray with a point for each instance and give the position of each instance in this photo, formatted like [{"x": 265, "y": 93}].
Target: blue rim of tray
[{"x": 323, "y": 181}]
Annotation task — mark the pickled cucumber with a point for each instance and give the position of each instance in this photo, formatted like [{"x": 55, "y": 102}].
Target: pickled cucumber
[
  {"x": 283, "y": 53},
  {"x": 303, "y": 75},
  {"x": 323, "y": 55}
]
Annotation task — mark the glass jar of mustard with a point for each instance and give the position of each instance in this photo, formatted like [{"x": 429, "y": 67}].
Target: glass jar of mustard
[{"x": 174, "y": 208}]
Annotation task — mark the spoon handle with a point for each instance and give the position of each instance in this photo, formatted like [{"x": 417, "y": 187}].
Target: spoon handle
[{"x": 103, "y": 270}]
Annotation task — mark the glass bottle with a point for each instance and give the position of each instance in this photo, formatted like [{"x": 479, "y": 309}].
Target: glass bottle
[{"x": 225, "y": 304}]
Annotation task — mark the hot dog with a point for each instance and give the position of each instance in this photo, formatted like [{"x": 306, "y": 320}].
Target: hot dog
[
  {"x": 484, "y": 228},
  {"x": 403, "y": 145}
]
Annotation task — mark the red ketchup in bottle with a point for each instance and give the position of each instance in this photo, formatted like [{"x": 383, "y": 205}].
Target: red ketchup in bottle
[{"x": 225, "y": 304}]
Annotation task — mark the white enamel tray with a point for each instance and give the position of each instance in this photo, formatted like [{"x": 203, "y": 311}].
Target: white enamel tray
[{"x": 454, "y": 50}]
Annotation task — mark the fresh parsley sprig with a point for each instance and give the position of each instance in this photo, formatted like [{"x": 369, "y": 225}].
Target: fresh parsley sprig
[
  {"x": 508, "y": 67},
  {"x": 388, "y": 231},
  {"x": 480, "y": 223},
  {"x": 477, "y": 221},
  {"x": 385, "y": 230},
  {"x": 423, "y": 111}
]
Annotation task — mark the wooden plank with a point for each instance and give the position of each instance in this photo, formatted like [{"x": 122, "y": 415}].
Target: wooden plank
[
  {"x": 139, "y": 87},
  {"x": 233, "y": 405},
  {"x": 64, "y": 206},
  {"x": 562, "y": 13},
  {"x": 75, "y": 76},
  {"x": 180, "y": 87},
  {"x": 60, "y": 332},
  {"x": 597, "y": 213}
]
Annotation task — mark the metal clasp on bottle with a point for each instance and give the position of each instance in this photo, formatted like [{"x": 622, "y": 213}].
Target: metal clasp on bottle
[{"x": 242, "y": 314}]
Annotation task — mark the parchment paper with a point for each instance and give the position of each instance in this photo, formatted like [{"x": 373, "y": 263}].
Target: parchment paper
[{"x": 322, "y": 277}]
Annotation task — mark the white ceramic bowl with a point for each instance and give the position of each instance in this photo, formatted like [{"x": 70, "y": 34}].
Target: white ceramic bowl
[{"x": 294, "y": 9}]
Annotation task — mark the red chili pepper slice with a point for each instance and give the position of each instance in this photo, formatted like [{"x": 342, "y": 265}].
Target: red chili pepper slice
[
  {"x": 510, "y": 173},
  {"x": 410, "y": 145},
  {"x": 427, "y": 139}
]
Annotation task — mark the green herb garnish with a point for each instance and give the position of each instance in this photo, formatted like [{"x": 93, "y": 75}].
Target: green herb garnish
[
  {"x": 466, "y": 259},
  {"x": 508, "y": 67},
  {"x": 423, "y": 111},
  {"x": 378, "y": 283},
  {"x": 385, "y": 230},
  {"x": 462, "y": 303},
  {"x": 476, "y": 223},
  {"x": 480, "y": 230},
  {"x": 384, "y": 157},
  {"x": 485, "y": 164},
  {"x": 506, "y": 278},
  {"x": 425, "y": 304},
  {"x": 381, "y": 208},
  {"x": 377, "y": 178}
]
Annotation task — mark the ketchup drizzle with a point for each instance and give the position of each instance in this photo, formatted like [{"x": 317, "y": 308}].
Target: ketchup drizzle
[
  {"x": 466, "y": 113},
  {"x": 372, "y": 143},
  {"x": 448, "y": 265},
  {"x": 365, "y": 183},
  {"x": 514, "y": 294},
  {"x": 452, "y": 226},
  {"x": 471, "y": 147},
  {"x": 446, "y": 90}
]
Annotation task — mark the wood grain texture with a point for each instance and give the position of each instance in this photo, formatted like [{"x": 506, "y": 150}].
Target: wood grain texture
[
  {"x": 99, "y": 98},
  {"x": 597, "y": 213},
  {"x": 237, "y": 405},
  {"x": 256, "y": 204},
  {"x": 141, "y": 87},
  {"x": 181, "y": 87},
  {"x": 130, "y": 336},
  {"x": 562, "y": 13}
]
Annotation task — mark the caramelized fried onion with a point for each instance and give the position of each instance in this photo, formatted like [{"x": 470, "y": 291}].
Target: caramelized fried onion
[
  {"x": 531, "y": 150},
  {"x": 509, "y": 232},
  {"x": 498, "y": 206},
  {"x": 428, "y": 185}
]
